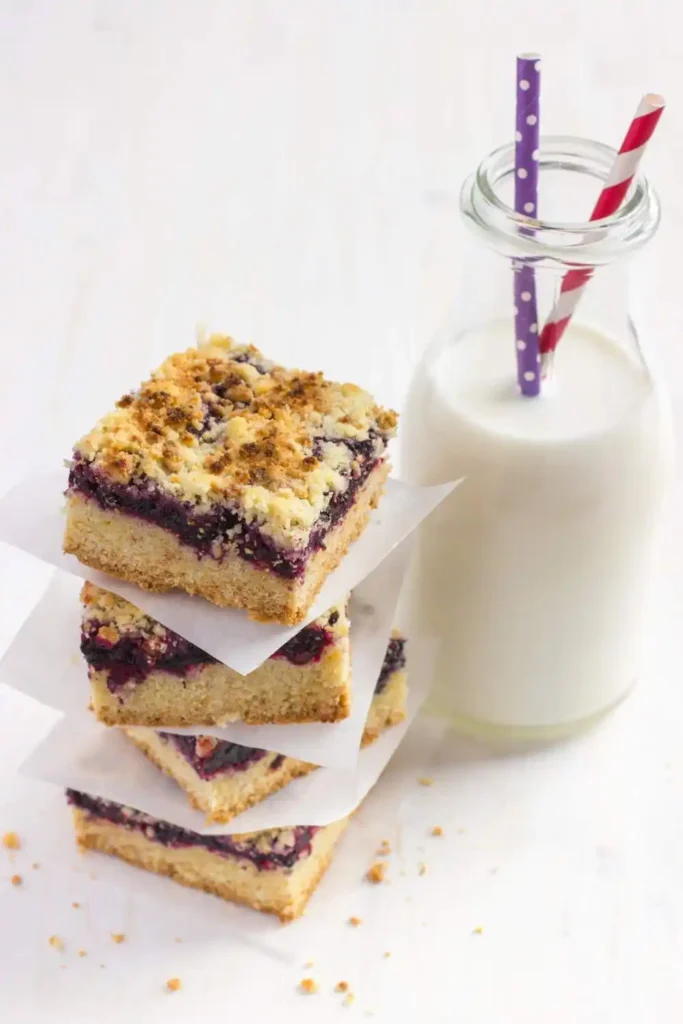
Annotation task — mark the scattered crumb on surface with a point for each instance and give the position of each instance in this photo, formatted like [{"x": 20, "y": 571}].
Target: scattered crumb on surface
[
  {"x": 461, "y": 832},
  {"x": 178, "y": 940},
  {"x": 309, "y": 963},
  {"x": 384, "y": 848},
  {"x": 117, "y": 937},
  {"x": 11, "y": 841},
  {"x": 173, "y": 984},
  {"x": 35, "y": 866},
  {"x": 437, "y": 830},
  {"x": 308, "y": 986},
  {"x": 75, "y": 905},
  {"x": 82, "y": 952},
  {"x": 348, "y": 999},
  {"x": 341, "y": 986},
  {"x": 56, "y": 942},
  {"x": 422, "y": 869},
  {"x": 15, "y": 879},
  {"x": 426, "y": 780},
  {"x": 377, "y": 872},
  {"x": 387, "y": 954},
  {"x": 478, "y": 931},
  {"x": 355, "y": 921}
]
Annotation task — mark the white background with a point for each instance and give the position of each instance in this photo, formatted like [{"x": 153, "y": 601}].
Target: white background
[{"x": 287, "y": 172}]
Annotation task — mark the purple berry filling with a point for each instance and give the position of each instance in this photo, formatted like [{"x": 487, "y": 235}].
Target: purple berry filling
[
  {"x": 135, "y": 655},
  {"x": 207, "y": 532},
  {"x": 224, "y": 757},
  {"x": 281, "y": 856},
  {"x": 394, "y": 661}
]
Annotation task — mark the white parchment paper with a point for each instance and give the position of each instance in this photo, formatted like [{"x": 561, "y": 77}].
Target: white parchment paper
[
  {"x": 44, "y": 662},
  {"x": 83, "y": 755},
  {"x": 32, "y": 519}
]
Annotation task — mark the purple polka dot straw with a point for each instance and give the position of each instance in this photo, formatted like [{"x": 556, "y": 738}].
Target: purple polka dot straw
[{"x": 526, "y": 201}]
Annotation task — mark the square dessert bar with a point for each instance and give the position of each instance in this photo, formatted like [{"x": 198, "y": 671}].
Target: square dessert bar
[
  {"x": 275, "y": 871},
  {"x": 144, "y": 674},
  {"x": 223, "y": 779},
  {"x": 229, "y": 477}
]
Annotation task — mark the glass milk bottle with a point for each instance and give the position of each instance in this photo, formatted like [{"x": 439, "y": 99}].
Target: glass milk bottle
[{"x": 537, "y": 573}]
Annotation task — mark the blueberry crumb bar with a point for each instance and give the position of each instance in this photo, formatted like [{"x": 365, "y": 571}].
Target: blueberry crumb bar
[
  {"x": 231, "y": 478},
  {"x": 142, "y": 673},
  {"x": 274, "y": 871}
]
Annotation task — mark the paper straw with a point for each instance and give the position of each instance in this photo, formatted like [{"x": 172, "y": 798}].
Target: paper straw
[
  {"x": 616, "y": 186},
  {"x": 526, "y": 202}
]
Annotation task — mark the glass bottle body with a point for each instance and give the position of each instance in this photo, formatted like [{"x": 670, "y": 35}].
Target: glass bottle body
[{"x": 537, "y": 574}]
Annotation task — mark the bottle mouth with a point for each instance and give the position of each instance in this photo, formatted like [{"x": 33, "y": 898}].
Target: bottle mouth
[{"x": 485, "y": 209}]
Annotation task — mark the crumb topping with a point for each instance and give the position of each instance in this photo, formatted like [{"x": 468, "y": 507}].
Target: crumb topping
[
  {"x": 117, "y": 618},
  {"x": 221, "y": 424}
]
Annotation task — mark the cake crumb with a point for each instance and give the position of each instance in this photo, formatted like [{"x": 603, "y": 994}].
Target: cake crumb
[
  {"x": 117, "y": 937},
  {"x": 16, "y": 879},
  {"x": 377, "y": 872},
  {"x": 348, "y": 999},
  {"x": 178, "y": 940},
  {"x": 56, "y": 942},
  {"x": 478, "y": 931},
  {"x": 82, "y": 952},
  {"x": 173, "y": 984},
  {"x": 11, "y": 841},
  {"x": 384, "y": 848},
  {"x": 341, "y": 986},
  {"x": 308, "y": 986},
  {"x": 437, "y": 830},
  {"x": 355, "y": 921},
  {"x": 461, "y": 832},
  {"x": 422, "y": 869},
  {"x": 35, "y": 866},
  {"x": 75, "y": 905},
  {"x": 309, "y": 963},
  {"x": 387, "y": 954},
  {"x": 426, "y": 780}
]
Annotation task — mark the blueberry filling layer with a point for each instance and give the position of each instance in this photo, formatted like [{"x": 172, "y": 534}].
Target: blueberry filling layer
[
  {"x": 208, "y": 532},
  {"x": 210, "y": 757},
  {"x": 394, "y": 661},
  {"x": 288, "y": 846},
  {"x": 134, "y": 655}
]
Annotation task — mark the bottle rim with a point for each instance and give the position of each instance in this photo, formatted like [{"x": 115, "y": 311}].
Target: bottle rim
[{"x": 523, "y": 237}]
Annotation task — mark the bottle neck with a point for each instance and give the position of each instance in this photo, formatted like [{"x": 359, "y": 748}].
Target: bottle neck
[{"x": 571, "y": 172}]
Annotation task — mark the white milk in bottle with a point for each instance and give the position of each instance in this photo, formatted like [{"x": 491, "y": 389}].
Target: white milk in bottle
[{"x": 537, "y": 573}]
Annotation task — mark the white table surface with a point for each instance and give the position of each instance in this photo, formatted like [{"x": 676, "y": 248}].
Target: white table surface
[{"x": 287, "y": 172}]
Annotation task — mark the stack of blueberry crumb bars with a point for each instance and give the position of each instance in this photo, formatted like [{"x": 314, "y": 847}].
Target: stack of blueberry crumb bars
[{"x": 232, "y": 479}]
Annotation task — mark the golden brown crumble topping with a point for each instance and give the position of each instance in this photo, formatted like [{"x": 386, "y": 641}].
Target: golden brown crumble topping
[
  {"x": 119, "y": 617},
  {"x": 221, "y": 422}
]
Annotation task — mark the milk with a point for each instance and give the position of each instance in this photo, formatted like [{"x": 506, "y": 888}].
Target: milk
[{"x": 536, "y": 574}]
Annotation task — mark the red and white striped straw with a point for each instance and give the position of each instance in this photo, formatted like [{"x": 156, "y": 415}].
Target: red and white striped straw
[{"x": 640, "y": 131}]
